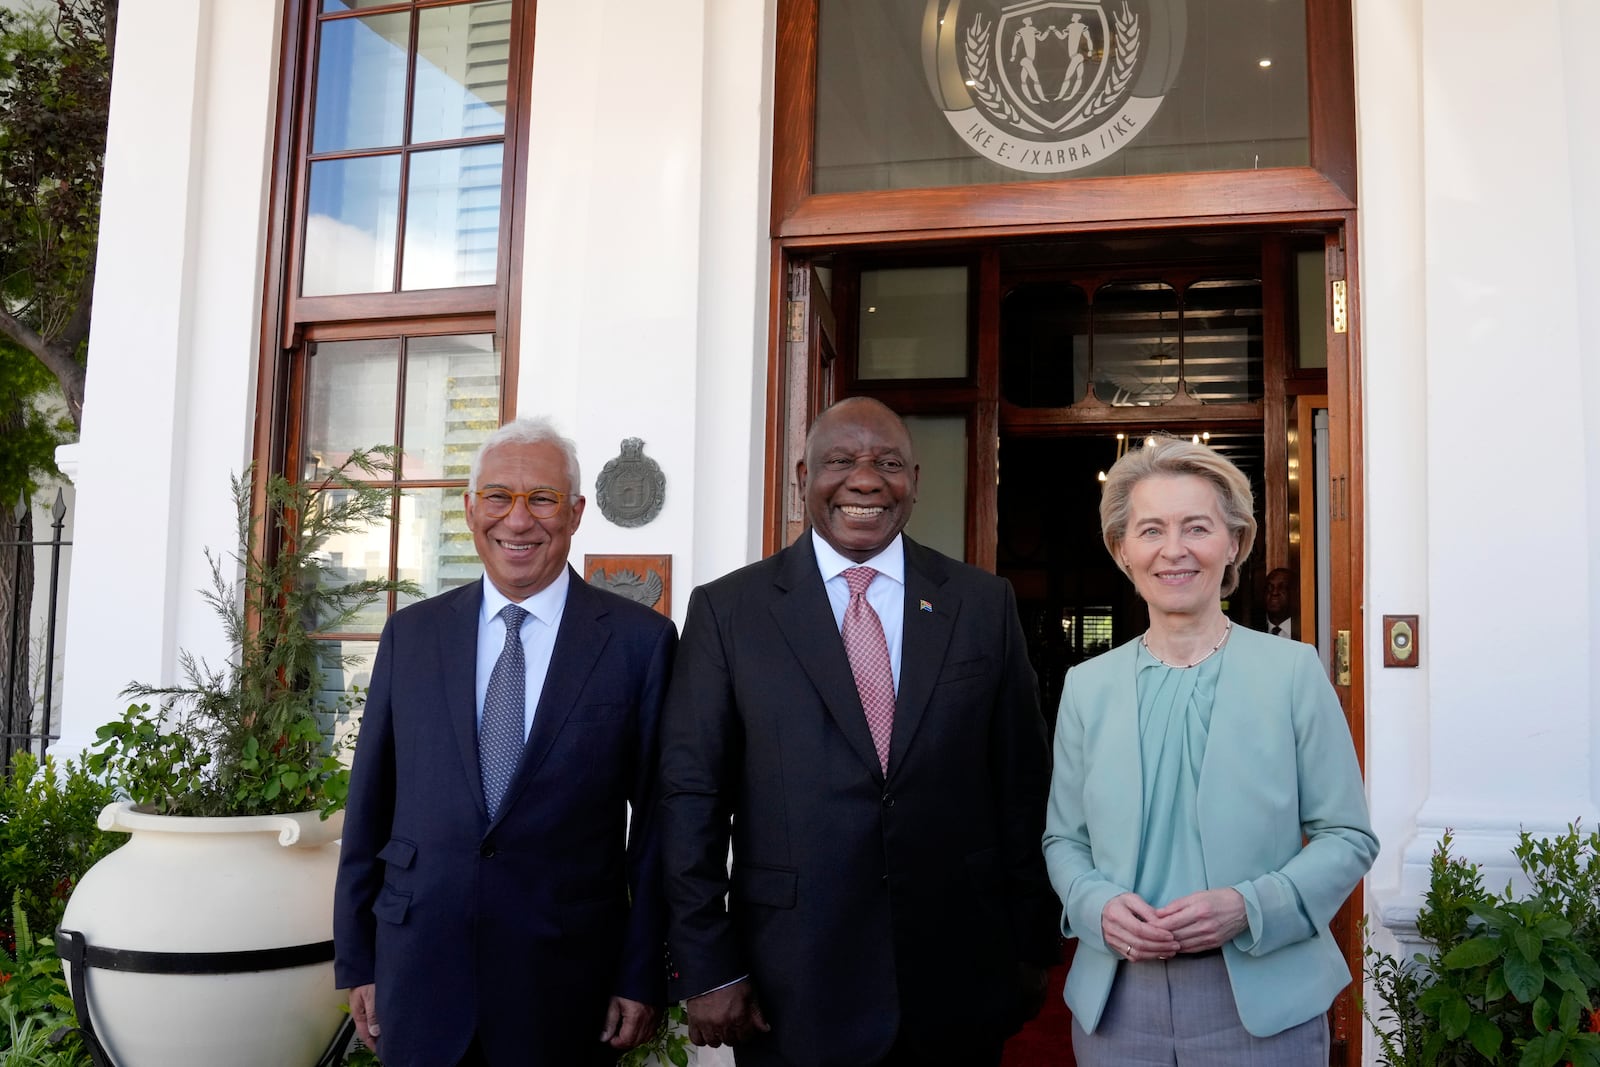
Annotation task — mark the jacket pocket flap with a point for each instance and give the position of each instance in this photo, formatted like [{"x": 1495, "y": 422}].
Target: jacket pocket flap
[
  {"x": 391, "y": 905},
  {"x": 775, "y": 887},
  {"x": 398, "y": 853},
  {"x": 966, "y": 668}
]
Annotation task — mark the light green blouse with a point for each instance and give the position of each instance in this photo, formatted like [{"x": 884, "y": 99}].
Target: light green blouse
[{"x": 1174, "y": 722}]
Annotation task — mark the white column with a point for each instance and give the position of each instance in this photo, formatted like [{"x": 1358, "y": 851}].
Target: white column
[
  {"x": 1498, "y": 725},
  {"x": 645, "y": 265},
  {"x": 172, "y": 352}
]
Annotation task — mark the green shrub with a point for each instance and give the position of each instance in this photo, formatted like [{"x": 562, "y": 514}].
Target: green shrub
[
  {"x": 48, "y": 834},
  {"x": 1507, "y": 979}
]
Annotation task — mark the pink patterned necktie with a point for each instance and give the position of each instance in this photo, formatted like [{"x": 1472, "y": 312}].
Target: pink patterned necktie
[{"x": 869, "y": 660}]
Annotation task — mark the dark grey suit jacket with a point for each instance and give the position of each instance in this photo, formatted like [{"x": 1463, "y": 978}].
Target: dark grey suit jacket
[{"x": 864, "y": 909}]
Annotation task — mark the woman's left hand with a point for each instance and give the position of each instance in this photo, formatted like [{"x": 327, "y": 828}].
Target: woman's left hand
[{"x": 1204, "y": 920}]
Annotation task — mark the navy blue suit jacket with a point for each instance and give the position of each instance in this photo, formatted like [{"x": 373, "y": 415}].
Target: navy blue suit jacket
[{"x": 519, "y": 930}]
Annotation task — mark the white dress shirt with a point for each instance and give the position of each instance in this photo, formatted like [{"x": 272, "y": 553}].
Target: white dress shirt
[
  {"x": 544, "y": 610},
  {"x": 886, "y": 594},
  {"x": 1282, "y": 629}
]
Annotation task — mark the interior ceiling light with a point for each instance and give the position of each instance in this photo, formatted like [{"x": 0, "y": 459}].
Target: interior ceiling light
[{"x": 1263, "y": 63}]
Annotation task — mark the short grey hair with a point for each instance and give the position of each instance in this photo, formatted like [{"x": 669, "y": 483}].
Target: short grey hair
[
  {"x": 530, "y": 430},
  {"x": 1173, "y": 456}
]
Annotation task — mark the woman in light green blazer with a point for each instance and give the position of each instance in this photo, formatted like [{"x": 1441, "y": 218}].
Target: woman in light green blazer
[{"x": 1207, "y": 816}]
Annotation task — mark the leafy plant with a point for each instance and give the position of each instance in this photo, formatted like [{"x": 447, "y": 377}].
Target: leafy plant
[
  {"x": 35, "y": 1001},
  {"x": 670, "y": 1045},
  {"x": 48, "y": 833},
  {"x": 245, "y": 739},
  {"x": 1508, "y": 979}
]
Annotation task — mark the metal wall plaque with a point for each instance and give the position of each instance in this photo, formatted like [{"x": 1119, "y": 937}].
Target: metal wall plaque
[
  {"x": 644, "y": 579},
  {"x": 631, "y": 487}
]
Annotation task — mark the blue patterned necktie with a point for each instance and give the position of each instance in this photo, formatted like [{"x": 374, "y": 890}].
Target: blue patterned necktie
[{"x": 500, "y": 734}]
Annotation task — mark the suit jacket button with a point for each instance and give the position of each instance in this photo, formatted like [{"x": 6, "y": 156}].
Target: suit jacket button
[
  {"x": 888, "y": 800},
  {"x": 486, "y": 851}
]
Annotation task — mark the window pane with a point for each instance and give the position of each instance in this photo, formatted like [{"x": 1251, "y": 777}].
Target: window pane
[
  {"x": 913, "y": 94},
  {"x": 462, "y": 57},
  {"x": 1311, "y": 288},
  {"x": 355, "y": 557},
  {"x": 343, "y": 664},
  {"x": 1222, "y": 340},
  {"x": 350, "y": 400},
  {"x": 435, "y": 545},
  {"x": 361, "y": 83},
  {"x": 452, "y": 404},
  {"x": 940, "y": 518},
  {"x": 350, "y": 228},
  {"x": 913, "y": 323},
  {"x": 1044, "y": 344},
  {"x": 353, "y": 5},
  {"x": 1136, "y": 343},
  {"x": 452, "y": 218}
]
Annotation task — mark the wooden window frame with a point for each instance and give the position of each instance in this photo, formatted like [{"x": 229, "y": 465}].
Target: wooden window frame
[
  {"x": 289, "y": 321},
  {"x": 798, "y": 214}
]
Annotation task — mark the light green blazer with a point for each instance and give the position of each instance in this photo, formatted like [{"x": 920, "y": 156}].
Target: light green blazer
[{"x": 1279, "y": 791}]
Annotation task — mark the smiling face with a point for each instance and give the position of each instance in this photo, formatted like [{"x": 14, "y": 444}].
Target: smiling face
[
  {"x": 521, "y": 554},
  {"x": 1176, "y": 544},
  {"x": 859, "y": 478}
]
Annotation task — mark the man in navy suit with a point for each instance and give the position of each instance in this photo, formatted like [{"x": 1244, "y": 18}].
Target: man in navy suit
[
  {"x": 494, "y": 906},
  {"x": 859, "y": 713}
]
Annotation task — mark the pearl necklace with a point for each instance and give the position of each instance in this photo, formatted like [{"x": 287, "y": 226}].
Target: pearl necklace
[{"x": 1226, "y": 630}]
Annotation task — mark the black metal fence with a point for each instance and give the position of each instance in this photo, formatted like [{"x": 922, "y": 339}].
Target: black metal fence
[{"x": 24, "y": 720}]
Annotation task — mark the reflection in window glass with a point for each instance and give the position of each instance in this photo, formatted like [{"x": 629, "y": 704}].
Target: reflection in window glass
[
  {"x": 435, "y": 544},
  {"x": 1135, "y": 343},
  {"x": 361, "y": 83},
  {"x": 343, "y": 665},
  {"x": 940, "y": 518},
  {"x": 351, "y": 225},
  {"x": 1222, "y": 348},
  {"x": 1044, "y": 344},
  {"x": 913, "y": 323},
  {"x": 452, "y": 218},
  {"x": 452, "y": 404},
  {"x": 359, "y": 556},
  {"x": 350, "y": 400},
  {"x": 462, "y": 57}
]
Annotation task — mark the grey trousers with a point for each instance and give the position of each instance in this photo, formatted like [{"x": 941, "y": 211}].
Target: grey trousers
[{"x": 1180, "y": 1013}]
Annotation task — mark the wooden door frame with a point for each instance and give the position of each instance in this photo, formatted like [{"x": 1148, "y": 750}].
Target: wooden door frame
[{"x": 1347, "y": 484}]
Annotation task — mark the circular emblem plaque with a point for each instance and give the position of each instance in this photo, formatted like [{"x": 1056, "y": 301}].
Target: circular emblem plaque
[
  {"x": 1048, "y": 86},
  {"x": 631, "y": 488}
]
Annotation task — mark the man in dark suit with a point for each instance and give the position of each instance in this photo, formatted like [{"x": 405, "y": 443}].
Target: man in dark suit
[
  {"x": 859, "y": 712},
  {"x": 490, "y": 909},
  {"x": 1281, "y": 617}
]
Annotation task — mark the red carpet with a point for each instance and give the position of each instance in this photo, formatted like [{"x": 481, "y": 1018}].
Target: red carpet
[{"x": 1047, "y": 1041}]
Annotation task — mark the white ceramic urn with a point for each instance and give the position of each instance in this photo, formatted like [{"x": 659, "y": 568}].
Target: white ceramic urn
[{"x": 206, "y": 886}]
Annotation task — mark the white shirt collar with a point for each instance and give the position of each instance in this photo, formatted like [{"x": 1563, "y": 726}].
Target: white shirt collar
[
  {"x": 545, "y": 605},
  {"x": 891, "y": 562}
]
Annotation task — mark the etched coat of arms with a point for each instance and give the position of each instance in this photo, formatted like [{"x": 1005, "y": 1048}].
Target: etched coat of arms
[
  {"x": 1048, "y": 86},
  {"x": 631, "y": 487}
]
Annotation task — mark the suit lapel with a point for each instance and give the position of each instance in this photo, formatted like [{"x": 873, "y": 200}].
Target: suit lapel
[
  {"x": 579, "y": 642},
  {"x": 458, "y": 655},
  {"x": 924, "y": 636},
  {"x": 805, "y": 618}
]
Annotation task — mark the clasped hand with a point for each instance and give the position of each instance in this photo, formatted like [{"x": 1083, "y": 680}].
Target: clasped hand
[
  {"x": 1194, "y": 923},
  {"x": 725, "y": 1016}
]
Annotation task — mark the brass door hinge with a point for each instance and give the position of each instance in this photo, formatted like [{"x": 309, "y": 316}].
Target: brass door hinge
[
  {"x": 795, "y": 314},
  {"x": 1341, "y": 309},
  {"x": 1341, "y": 658}
]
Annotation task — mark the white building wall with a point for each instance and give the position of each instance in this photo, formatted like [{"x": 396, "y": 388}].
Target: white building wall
[
  {"x": 167, "y": 416},
  {"x": 1478, "y": 253}
]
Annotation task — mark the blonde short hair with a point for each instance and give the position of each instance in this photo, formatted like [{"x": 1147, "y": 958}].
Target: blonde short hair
[{"x": 1173, "y": 457}]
